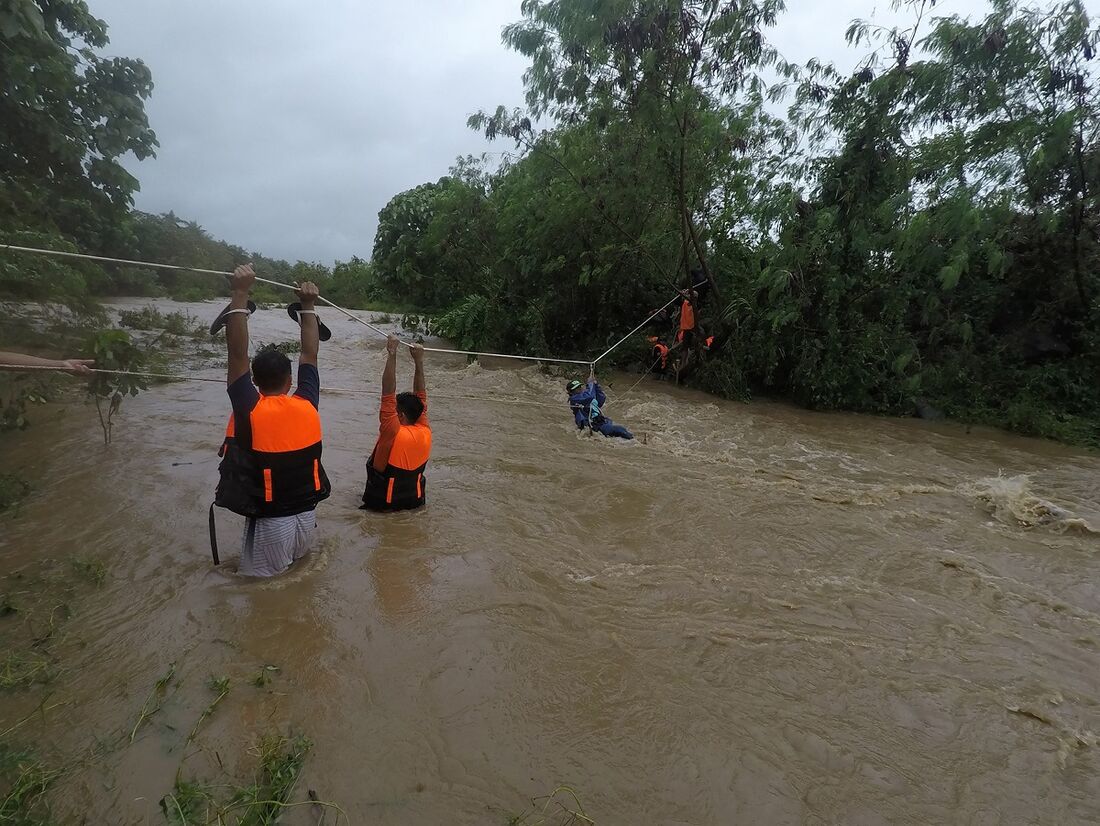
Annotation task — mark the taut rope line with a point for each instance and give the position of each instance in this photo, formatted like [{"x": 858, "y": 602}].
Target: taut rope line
[
  {"x": 640, "y": 326},
  {"x": 320, "y": 298},
  {"x": 176, "y": 377}
]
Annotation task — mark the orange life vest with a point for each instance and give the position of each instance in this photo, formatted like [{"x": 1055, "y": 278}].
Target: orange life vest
[
  {"x": 271, "y": 466},
  {"x": 687, "y": 316},
  {"x": 401, "y": 485},
  {"x": 710, "y": 341},
  {"x": 662, "y": 351}
]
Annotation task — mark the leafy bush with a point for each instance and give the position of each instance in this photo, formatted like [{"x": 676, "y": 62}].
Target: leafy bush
[{"x": 114, "y": 350}]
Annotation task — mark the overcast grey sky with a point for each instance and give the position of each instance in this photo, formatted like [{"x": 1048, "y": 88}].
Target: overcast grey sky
[{"x": 285, "y": 126}]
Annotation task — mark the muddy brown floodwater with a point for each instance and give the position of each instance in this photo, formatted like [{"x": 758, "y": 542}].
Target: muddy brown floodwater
[{"x": 763, "y": 616}]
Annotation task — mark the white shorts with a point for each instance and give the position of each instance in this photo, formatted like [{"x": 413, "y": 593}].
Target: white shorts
[{"x": 277, "y": 542}]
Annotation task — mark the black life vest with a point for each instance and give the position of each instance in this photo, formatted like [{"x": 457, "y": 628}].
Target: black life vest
[
  {"x": 271, "y": 464},
  {"x": 401, "y": 486}
]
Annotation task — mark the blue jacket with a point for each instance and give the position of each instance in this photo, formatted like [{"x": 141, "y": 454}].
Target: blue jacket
[{"x": 587, "y": 404}]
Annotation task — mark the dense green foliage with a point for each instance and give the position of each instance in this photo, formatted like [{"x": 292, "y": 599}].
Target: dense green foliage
[
  {"x": 923, "y": 231},
  {"x": 67, "y": 114}
]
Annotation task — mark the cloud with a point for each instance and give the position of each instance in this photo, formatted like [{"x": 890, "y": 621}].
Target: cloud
[{"x": 285, "y": 126}]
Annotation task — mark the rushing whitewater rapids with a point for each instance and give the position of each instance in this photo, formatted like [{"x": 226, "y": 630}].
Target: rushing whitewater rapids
[{"x": 762, "y": 616}]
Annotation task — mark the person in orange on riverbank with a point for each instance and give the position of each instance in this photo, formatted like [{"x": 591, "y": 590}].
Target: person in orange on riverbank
[
  {"x": 659, "y": 352},
  {"x": 395, "y": 470},
  {"x": 687, "y": 319}
]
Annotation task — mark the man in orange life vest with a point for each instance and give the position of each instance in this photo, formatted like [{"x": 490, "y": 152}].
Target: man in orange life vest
[
  {"x": 659, "y": 353},
  {"x": 271, "y": 469},
  {"x": 395, "y": 470}
]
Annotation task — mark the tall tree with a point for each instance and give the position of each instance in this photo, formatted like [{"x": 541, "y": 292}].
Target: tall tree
[
  {"x": 68, "y": 114},
  {"x": 677, "y": 74}
]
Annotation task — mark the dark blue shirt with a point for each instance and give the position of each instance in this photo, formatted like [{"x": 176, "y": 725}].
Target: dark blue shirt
[
  {"x": 243, "y": 394},
  {"x": 587, "y": 405}
]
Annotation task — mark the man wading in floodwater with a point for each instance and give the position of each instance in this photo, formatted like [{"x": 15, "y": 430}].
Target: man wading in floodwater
[
  {"x": 395, "y": 470},
  {"x": 586, "y": 402},
  {"x": 271, "y": 469}
]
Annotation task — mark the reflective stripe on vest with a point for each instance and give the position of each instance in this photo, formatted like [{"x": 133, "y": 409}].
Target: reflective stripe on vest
[{"x": 274, "y": 466}]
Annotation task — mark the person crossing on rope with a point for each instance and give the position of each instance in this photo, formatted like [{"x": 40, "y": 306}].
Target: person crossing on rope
[
  {"x": 16, "y": 361},
  {"x": 395, "y": 469},
  {"x": 587, "y": 401},
  {"x": 271, "y": 470}
]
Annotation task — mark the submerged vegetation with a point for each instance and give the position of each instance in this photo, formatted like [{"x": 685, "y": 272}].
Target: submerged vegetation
[
  {"x": 562, "y": 807},
  {"x": 260, "y": 802},
  {"x": 12, "y": 490},
  {"x": 24, "y": 781},
  {"x": 177, "y": 323}
]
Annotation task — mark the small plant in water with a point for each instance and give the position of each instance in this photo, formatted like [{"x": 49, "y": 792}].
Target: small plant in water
[
  {"x": 562, "y": 807},
  {"x": 264, "y": 675},
  {"x": 92, "y": 570},
  {"x": 22, "y": 668},
  {"x": 114, "y": 350},
  {"x": 152, "y": 703},
  {"x": 25, "y": 780},
  {"x": 220, "y": 686}
]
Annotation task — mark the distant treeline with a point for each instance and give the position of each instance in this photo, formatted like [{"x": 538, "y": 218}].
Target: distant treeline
[{"x": 167, "y": 239}]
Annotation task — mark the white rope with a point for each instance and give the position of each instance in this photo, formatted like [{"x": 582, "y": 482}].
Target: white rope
[
  {"x": 132, "y": 263},
  {"x": 177, "y": 377},
  {"x": 643, "y": 324},
  {"x": 348, "y": 313},
  {"x": 639, "y": 381},
  {"x": 504, "y": 356},
  {"x": 321, "y": 298},
  {"x": 173, "y": 376}
]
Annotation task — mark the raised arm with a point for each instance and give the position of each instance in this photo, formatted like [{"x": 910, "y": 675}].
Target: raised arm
[
  {"x": 236, "y": 324},
  {"x": 420, "y": 387},
  {"x": 389, "y": 372},
  {"x": 307, "y": 294},
  {"x": 15, "y": 361}
]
